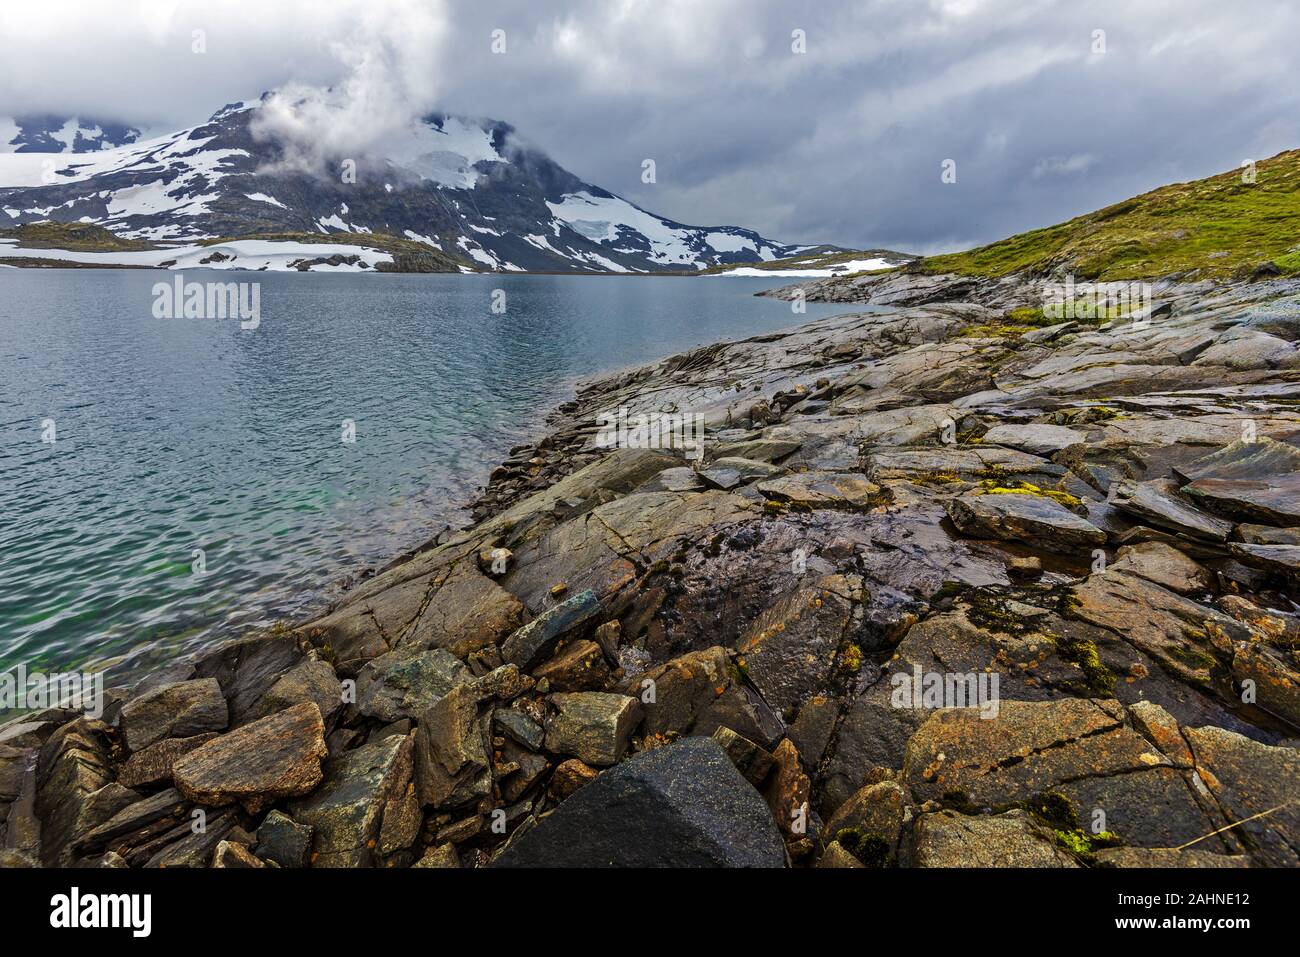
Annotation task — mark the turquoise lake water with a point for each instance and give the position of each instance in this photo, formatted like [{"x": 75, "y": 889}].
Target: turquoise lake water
[{"x": 171, "y": 436}]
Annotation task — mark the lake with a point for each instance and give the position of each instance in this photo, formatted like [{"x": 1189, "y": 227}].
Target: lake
[{"x": 137, "y": 449}]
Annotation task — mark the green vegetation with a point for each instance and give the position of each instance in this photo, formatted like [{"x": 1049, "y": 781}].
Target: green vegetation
[
  {"x": 996, "y": 487},
  {"x": 1054, "y": 810},
  {"x": 1098, "y": 680},
  {"x": 74, "y": 237},
  {"x": 870, "y": 849},
  {"x": 1218, "y": 228}
]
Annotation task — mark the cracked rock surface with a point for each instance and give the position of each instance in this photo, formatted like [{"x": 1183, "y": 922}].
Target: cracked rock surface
[{"x": 939, "y": 591}]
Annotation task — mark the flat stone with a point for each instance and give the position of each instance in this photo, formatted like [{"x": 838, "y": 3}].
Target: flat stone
[
  {"x": 1037, "y": 439},
  {"x": 1177, "y": 632},
  {"x": 153, "y": 765},
  {"x": 348, "y": 809},
  {"x": 1164, "y": 565},
  {"x": 1156, "y": 504},
  {"x": 789, "y": 652},
  {"x": 1274, "y": 679},
  {"x": 761, "y": 449},
  {"x": 579, "y": 666},
  {"x": 681, "y": 805},
  {"x": 1264, "y": 458},
  {"x": 403, "y": 683},
  {"x": 949, "y": 839},
  {"x": 532, "y": 644},
  {"x": 168, "y": 804},
  {"x": 441, "y": 856},
  {"x": 731, "y": 472},
  {"x": 1033, "y": 519},
  {"x": 1273, "y": 501},
  {"x": 818, "y": 489},
  {"x": 194, "y": 848},
  {"x": 680, "y": 479},
  {"x": 174, "y": 711},
  {"x": 593, "y": 726},
  {"x": 1166, "y": 857},
  {"x": 1267, "y": 535},
  {"x": 1283, "y": 559},
  {"x": 271, "y": 758}
]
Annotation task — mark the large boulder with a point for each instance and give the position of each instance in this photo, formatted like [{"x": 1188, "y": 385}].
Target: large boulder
[
  {"x": 681, "y": 805},
  {"x": 273, "y": 757}
]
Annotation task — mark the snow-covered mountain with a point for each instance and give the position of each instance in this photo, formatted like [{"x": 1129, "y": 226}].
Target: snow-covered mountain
[
  {"x": 53, "y": 134},
  {"x": 464, "y": 187}
]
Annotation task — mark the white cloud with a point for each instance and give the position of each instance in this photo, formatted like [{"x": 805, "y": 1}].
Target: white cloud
[{"x": 839, "y": 144}]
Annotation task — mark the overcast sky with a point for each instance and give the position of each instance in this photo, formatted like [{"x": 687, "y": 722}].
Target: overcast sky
[{"x": 843, "y": 143}]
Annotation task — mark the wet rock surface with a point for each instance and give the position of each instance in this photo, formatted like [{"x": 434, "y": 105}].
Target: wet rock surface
[{"x": 936, "y": 591}]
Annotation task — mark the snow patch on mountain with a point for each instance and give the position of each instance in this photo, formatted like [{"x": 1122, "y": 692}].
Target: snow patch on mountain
[
  {"x": 248, "y": 254},
  {"x": 466, "y": 187}
]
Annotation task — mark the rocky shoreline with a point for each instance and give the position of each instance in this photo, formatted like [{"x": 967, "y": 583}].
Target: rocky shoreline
[{"x": 942, "y": 591}]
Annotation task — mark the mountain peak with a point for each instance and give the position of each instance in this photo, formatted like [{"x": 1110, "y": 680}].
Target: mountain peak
[{"x": 463, "y": 187}]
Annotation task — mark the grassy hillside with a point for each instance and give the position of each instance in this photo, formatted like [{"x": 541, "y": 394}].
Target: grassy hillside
[
  {"x": 1216, "y": 228},
  {"x": 75, "y": 237}
]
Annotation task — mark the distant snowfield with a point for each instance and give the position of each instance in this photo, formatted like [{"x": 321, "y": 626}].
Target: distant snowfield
[
  {"x": 839, "y": 269},
  {"x": 248, "y": 254}
]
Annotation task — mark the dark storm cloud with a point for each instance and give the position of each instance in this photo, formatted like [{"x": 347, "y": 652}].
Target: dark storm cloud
[{"x": 843, "y": 143}]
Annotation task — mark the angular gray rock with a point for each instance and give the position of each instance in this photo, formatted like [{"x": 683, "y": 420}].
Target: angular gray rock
[
  {"x": 681, "y": 805},
  {"x": 593, "y": 726},
  {"x": 1035, "y": 438},
  {"x": 403, "y": 683},
  {"x": 1157, "y": 504},
  {"x": 1012, "y": 839},
  {"x": 283, "y": 841},
  {"x": 532, "y": 644},
  {"x": 453, "y": 757},
  {"x": 1029, "y": 518},
  {"x": 175, "y": 710},
  {"x": 348, "y": 809}
]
